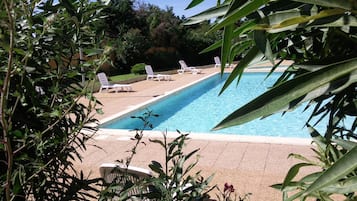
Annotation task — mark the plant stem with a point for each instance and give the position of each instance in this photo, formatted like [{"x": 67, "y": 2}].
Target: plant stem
[{"x": 4, "y": 95}]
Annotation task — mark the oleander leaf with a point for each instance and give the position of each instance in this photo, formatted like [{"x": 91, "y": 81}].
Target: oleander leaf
[
  {"x": 237, "y": 14},
  {"x": 280, "y": 96},
  {"x": 213, "y": 12},
  {"x": 194, "y": 3},
  {"x": 338, "y": 170},
  {"x": 344, "y": 187},
  {"x": 252, "y": 55},
  {"x": 226, "y": 45},
  {"x": 348, "y": 145},
  {"x": 330, "y": 3},
  {"x": 263, "y": 44},
  {"x": 293, "y": 171}
]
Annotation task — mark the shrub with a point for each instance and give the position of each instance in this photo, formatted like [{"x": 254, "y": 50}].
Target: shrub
[
  {"x": 173, "y": 180},
  {"x": 138, "y": 68},
  {"x": 43, "y": 121},
  {"x": 163, "y": 58}
]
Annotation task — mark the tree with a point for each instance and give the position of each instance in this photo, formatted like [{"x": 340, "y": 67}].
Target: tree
[
  {"x": 44, "y": 124},
  {"x": 320, "y": 38},
  {"x": 143, "y": 33},
  {"x": 195, "y": 39}
]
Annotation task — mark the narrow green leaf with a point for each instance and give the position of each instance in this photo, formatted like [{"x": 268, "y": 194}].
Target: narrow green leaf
[
  {"x": 310, "y": 178},
  {"x": 251, "y": 55},
  {"x": 243, "y": 11},
  {"x": 331, "y": 21},
  {"x": 301, "y": 157},
  {"x": 194, "y": 3},
  {"x": 279, "y": 97},
  {"x": 317, "y": 138},
  {"x": 239, "y": 48},
  {"x": 293, "y": 171},
  {"x": 289, "y": 20},
  {"x": 214, "y": 46},
  {"x": 330, "y": 3},
  {"x": 346, "y": 144},
  {"x": 226, "y": 45},
  {"x": 157, "y": 142},
  {"x": 262, "y": 42},
  {"x": 245, "y": 27},
  {"x": 341, "y": 168},
  {"x": 214, "y": 12},
  {"x": 156, "y": 167},
  {"x": 346, "y": 186}
]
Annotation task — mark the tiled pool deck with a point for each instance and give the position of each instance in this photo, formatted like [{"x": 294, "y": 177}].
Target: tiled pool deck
[{"x": 250, "y": 166}]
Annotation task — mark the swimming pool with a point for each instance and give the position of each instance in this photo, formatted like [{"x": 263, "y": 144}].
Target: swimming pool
[{"x": 198, "y": 108}]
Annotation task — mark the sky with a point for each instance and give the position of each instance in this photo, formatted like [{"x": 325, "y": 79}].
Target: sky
[{"x": 180, "y": 5}]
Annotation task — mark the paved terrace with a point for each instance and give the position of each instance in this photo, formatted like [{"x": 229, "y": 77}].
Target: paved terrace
[{"x": 250, "y": 166}]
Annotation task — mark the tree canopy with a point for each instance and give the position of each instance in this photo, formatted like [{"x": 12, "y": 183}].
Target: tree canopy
[{"x": 144, "y": 33}]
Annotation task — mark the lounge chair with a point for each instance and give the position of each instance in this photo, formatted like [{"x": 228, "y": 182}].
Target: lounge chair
[
  {"x": 217, "y": 62},
  {"x": 121, "y": 174},
  {"x": 106, "y": 85},
  {"x": 151, "y": 75},
  {"x": 118, "y": 173},
  {"x": 185, "y": 68}
]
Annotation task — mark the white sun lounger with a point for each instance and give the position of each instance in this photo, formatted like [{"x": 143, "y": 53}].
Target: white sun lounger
[
  {"x": 151, "y": 75},
  {"x": 185, "y": 68},
  {"x": 106, "y": 85},
  {"x": 217, "y": 61},
  {"x": 120, "y": 174}
]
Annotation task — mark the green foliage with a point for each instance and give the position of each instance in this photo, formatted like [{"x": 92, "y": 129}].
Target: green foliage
[
  {"x": 146, "y": 33},
  {"x": 163, "y": 58},
  {"x": 194, "y": 40},
  {"x": 174, "y": 180},
  {"x": 338, "y": 162},
  {"x": 320, "y": 38},
  {"x": 138, "y": 68},
  {"x": 44, "y": 125}
]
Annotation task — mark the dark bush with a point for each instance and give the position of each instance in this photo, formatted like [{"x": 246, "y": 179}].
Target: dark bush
[{"x": 163, "y": 58}]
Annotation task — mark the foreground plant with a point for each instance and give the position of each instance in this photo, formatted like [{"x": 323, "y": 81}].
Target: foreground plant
[
  {"x": 173, "y": 180},
  {"x": 43, "y": 122},
  {"x": 319, "y": 36},
  {"x": 229, "y": 194},
  {"x": 336, "y": 160}
]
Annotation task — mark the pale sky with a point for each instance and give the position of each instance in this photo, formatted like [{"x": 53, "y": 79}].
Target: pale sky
[{"x": 180, "y": 5}]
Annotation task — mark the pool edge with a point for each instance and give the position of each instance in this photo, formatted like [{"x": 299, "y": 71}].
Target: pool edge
[{"x": 128, "y": 134}]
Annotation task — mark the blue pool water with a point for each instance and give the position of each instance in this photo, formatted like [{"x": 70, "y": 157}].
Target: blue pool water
[{"x": 198, "y": 109}]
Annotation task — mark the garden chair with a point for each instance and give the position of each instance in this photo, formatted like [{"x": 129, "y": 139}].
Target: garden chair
[
  {"x": 118, "y": 173},
  {"x": 106, "y": 85},
  {"x": 217, "y": 62},
  {"x": 185, "y": 68},
  {"x": 151, "y": 75}
]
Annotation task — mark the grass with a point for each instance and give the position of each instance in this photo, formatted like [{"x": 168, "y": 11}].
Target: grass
[{"x": 125, "y": 77}]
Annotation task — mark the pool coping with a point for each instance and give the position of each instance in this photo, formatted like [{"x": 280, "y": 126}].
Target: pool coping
[
  {"x": 126, "y": 134},
  {"x": 123, "y": 134}
]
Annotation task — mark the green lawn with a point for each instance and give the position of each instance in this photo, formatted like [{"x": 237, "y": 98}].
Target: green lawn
[{"x": 126, "y": 77}]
